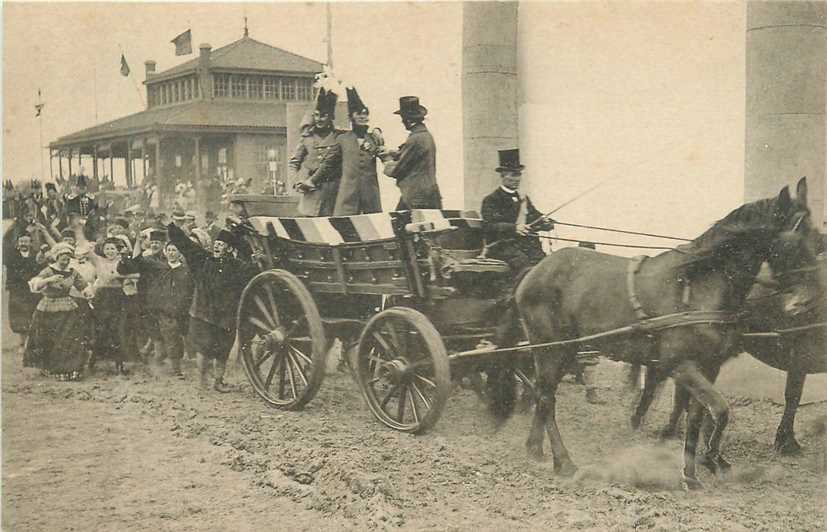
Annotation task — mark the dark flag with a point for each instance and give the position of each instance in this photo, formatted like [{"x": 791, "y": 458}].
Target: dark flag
[
  {"x": 183, "y": 43},
  {"x": 124, "y": 67},
  {"x": 38, "y": 107}
]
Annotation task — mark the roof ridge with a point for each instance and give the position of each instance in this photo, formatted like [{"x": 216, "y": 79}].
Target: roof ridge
[{"x": 288, "y": 52}]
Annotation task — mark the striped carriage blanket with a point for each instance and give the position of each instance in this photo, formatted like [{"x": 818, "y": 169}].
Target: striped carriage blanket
[{"x": 362, "y": 227}]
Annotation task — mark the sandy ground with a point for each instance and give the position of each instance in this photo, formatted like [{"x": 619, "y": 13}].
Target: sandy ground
[{"x": 147, "y": 453}]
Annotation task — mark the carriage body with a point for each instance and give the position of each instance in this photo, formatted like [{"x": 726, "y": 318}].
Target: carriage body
[{"x": 401, "y": 290}]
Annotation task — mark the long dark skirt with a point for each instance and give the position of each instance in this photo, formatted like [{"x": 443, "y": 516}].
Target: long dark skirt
[
  {"x": 56, "y": 342},
  {"x": 22, "y": 303},
  {"x": 110, "y": 323}
]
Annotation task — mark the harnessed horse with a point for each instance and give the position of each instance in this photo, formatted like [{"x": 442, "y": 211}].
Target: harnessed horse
[{"x": 574, "y": 293}]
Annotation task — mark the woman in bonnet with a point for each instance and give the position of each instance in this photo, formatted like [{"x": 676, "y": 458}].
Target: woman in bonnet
[{"x": 56, "y": 340}]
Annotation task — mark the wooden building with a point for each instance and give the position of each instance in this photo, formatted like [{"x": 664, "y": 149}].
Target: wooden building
[{"x": 230, "y": 113}]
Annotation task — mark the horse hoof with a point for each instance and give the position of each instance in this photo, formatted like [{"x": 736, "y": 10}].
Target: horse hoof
[
  {"x": 691, "y": 484},
  {"x": 787, "y": 446},
  {"x": 566, "y": 469}
]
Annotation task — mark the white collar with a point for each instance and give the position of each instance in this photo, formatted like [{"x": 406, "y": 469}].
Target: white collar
[
  {"x": 176, "y": 265},
  {"x": 509, "y": 191}
]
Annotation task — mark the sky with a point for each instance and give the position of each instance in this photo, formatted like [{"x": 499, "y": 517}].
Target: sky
[{"x": 646, "y": 98}]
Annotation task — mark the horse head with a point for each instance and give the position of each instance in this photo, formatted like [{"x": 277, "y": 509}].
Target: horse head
[{"x": 793, "y": 253}]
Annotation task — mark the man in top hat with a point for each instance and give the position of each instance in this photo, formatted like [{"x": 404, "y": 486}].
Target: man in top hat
[
  {"x": 510, "y": 219},
  {"x": 414, "y": 164},
  {"x": 81, "y": 202},
  {"x": 353, "y": 156},
  {"x": 510, "y": 223},
  {"x": 318, "y": 198}
]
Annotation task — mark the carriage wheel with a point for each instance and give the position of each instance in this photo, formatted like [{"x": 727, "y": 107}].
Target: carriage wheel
[
  {"x": 402, "y": 368},
  {"x": 282, "y": 340}
]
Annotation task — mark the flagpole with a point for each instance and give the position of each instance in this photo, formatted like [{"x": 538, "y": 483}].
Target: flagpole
[
  {"x": 40, "y": 126},
  {"x": 134, "y": 81},
  {"x": 329, "y": 18}
]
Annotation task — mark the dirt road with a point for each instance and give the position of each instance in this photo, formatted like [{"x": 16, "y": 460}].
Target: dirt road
[{"x": 145, "y": 453}]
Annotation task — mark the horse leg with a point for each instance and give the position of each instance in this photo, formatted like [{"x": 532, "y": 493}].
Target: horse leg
[
  {"x": 785, "y": 442},
  {"x": 680, "y": 404},
  {"x": 706, "y": 397},
  {"x": 563, "y": 464},
  {"x": 534, "y": 443},
  {"x": 650, "y": 385},
  {"x": 711, "y": 426}
]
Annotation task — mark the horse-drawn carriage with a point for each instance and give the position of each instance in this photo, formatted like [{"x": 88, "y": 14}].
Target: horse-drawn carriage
[{"x": 406, "y": 292}]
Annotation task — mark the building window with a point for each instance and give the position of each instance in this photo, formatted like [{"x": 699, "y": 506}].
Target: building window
[
  {"x": 269, "y": 169},
  {"x": 239, "y": 86},
  {"x": 271, "y": 88},
  {"x": 305, "y": 89},
  {"x": 288, "y": 89},
  {"x": 255, "y": 88},
  {"x": 221, "y": 82}
]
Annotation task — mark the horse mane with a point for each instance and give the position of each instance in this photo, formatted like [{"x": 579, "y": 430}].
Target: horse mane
[{"x": 753, "y": 221}]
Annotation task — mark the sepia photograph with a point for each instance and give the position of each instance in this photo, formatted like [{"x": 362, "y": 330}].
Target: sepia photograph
[{"x": 379, "y": 265}]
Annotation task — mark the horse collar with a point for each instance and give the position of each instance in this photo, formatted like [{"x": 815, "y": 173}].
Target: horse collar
[{"x": 634, "y": 267}]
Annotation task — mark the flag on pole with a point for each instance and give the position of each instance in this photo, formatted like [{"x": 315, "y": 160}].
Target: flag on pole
[
  {"x": 38, "y": 107},
  {"x": 124, "y": 67},
  {"x": 183, "y": 43}
]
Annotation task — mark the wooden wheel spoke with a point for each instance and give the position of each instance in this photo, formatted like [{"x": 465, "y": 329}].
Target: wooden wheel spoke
[
  {"x": 264, "y": 311},
  {"x": 298, "y": 367},
  {"x": 290, "y": 377},
  {"x": 389, "y": 395},
  {"x": 276, "y": 363},
  {"x": 395, "y": 338},
  {"x": 282, "y": 380},
  {"x": 299, "y": 354},
  {"x": 421, "y": 396},
  {"x": 385, "y": 345},
  {"x": 426, "y": 380},
  {"x": 403, "y": 395},
  {"x": 414, "y": 409},
  {"x": 260, "y": 324},
  {"x": 272, "y": 300}
]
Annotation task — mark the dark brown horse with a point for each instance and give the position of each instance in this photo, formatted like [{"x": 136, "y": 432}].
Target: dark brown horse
[
  {"x": 575, "y": 293},
  {"x": 798, "y": 350}
]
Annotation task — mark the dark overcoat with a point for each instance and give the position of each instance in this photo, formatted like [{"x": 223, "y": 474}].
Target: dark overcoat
[{"x": 415, "y": 171}]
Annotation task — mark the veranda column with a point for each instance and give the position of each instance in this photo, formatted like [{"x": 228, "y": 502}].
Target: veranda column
[
  {"x": 786, "y": 62},
  {"x": 489, "y": 93}
]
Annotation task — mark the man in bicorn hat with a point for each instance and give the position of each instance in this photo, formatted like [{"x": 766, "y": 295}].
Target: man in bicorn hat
[
  {"x": 81, "y": 202},
  {"x": 353, "y": 156},
  {"x": 318, "y": 197},
  {"x": 414, "y": 164}
]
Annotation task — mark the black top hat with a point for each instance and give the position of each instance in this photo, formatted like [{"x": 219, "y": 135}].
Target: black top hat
[
  {"x": 409, "y": 106},
  {"x": 326, "y": 102},
  {"x": 51, "y": 186},
  {"x": 509, "y": 160},
  {"x": 81, "y": 181},
  {"x": 354, "y": 102},
  {"x": 158, "y": 235}
]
